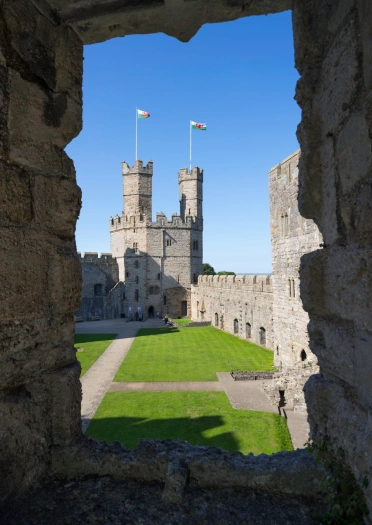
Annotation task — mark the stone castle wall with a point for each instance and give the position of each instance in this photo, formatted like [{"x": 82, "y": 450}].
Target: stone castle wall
[
  {"x": 292, "y": 236},
  {"x": 239, "y": 304},
  {"x": 102, "y": 294}
]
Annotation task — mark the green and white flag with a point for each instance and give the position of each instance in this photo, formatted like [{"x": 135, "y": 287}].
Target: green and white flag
[
  {"x": 195, "y": 125},
  {"x": 142, "y": 114}
]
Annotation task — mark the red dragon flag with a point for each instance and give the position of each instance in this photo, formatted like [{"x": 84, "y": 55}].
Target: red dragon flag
[
  {"x": 195, "y": 125},
  {"x": 142, "y": 114}
]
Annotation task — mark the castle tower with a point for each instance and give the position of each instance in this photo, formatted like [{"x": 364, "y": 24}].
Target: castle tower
[
  {"x": 191, "y": 193},
  {"x": 137, "y": 189}
]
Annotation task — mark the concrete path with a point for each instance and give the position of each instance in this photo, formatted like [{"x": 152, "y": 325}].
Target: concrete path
[
  {"x": 247, "y": 395},
  {"x": 168, "y": 386},
  {"x": 96, "y": 381}
]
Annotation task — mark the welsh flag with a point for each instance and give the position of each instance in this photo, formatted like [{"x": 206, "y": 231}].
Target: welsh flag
[
  {"x": 195, "y": 125},
  {"x": 142, "y": 114}
]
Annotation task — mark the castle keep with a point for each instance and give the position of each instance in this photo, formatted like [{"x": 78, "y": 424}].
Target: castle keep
[{"x": 158, "y": 260}]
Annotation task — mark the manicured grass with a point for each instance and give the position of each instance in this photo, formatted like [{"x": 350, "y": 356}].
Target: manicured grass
[
  {"x": 94, "y": 345},
  {"x": 195, "y": 354},
  {"x": 201, "y": 418},
  {"x": 182, "y": 321}
]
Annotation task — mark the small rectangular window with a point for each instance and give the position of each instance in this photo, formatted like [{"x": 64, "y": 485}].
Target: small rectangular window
[
  {"x": 136, "y": 295},
  {"x": 159, "y": 274},
  {"x": 164, "y": 300}
]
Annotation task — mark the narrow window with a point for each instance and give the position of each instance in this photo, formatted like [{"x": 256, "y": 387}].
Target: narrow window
[
  {"x": 248, "y": 331},
  {"x": 136, "y": 295},
  {"x": 189, "y": 211},
  {"x": 123, "y": 295},
  {"x": 135, "y": 246},
  {"x": 303, "y": 355},
  {"x": 285, "y": 225},
  {"x": 197, "y": 309},
  {"x": 164, "y": 300},
  {"x": 141, "y": 217},
  {"x": 293, "y": 288},
  {"x": 126, "y": 274},
  {"x": 159, "y": 274},
  {"x": 262, "y": 336},
  {"x": 277, "y": 350},
  {"x": 98, "y": 290},
  {"x": 112, "y": 222},
  {"x": 119, "y": 220},
  {"x": 136, "y": 264},
  {"x": 216, "y": 319},
  {"x": 290, "y": 288},
  {"x": 195, "y": 278},
  {"x": 236, "y": 326}
]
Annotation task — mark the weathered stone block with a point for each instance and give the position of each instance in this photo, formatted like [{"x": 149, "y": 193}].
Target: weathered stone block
[
  {"x": 353, "y": 152},
  {"x": 65, "y": 392},
  {"x": 15, "y": 196}
]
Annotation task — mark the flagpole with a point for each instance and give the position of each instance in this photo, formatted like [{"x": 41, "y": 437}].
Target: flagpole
[
  {"x": 190, "y": 145},
  {"x": 136, "y": 134}
]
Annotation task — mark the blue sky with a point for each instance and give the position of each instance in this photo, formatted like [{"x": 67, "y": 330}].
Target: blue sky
[{"x": 238, "y": 78}]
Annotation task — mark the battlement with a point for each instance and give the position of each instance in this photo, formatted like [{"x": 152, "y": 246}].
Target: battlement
[
  {"x": 287, "y": 170},
  {"x": 195, "y": 173},
  {"x": 137, "y": 168},
  {"x": 175, "y": 221},
  {"x": 93, "y": 257},
  {"x": 252, "y": 283}
]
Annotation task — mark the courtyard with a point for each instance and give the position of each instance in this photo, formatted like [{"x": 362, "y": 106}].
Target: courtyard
[{"x": 173, "y": 383}]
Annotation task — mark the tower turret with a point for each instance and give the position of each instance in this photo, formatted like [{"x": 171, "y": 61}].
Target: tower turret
[
  {"x": 137, "y": 189},
  {"x": 191, "y": 193}
]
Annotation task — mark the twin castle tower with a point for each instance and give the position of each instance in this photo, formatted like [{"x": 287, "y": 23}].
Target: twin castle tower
[{"x": 158, "y": 260}]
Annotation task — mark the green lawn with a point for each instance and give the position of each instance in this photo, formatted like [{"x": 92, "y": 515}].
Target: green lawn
[
  {"x": 194, "y": 354},
  {"x": 94, "y": 345},
  {"x": 201, "y": 418},
  {"x": 182, "y": 321}
]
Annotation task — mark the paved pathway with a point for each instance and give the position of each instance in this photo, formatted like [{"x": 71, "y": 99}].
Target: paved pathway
[
  {"x": 247, "y": 395},
  {"x": 96, "y": 381}
]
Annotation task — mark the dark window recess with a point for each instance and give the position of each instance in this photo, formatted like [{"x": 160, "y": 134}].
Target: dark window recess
[
  {"x": 236, "y": 326},
  {"x": 98, "y": 290},
  {"x": 136, "y": 295},
  {"x": 164, "y": 300}
]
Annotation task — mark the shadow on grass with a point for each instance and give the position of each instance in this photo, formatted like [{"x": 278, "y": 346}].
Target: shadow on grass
[
  {"x": 91, "y": 338},
  {"x": 129, "y": 431},
  {"x": 156, "y": 331}
]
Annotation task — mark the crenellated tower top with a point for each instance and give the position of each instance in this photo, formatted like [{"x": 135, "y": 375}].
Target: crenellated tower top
[{"x": 137, "y": 188}]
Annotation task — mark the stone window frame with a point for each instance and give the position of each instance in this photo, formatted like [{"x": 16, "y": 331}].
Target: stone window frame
[
  {"x": 248, "y": 331},
  {"x": 236, "y": 326}
]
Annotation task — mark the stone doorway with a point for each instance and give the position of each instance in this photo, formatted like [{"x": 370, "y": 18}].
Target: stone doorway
[{"x": 184, "y": 308}]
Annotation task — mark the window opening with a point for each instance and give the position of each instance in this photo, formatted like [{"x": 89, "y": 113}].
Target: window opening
[
  {"x": 216, "y": 319},
  {"x": 248, "y": 331},
  {"x": 236, "y": 326},
  {"x": 136, "y": 295},
  {"x": 262, "y": 336},
  {"x": 164, "y": 300},
  {"x": 303, "y": 355},
  {"x": 98, "y": 290}
]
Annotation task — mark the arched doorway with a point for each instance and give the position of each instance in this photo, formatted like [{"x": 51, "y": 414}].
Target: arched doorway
[{"x": 151, "y": 312}]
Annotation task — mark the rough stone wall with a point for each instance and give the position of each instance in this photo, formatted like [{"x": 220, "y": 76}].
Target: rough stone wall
[
  {"x": 291, "y": 237},
  {"x": 158, "y": 260},
  {"x": 245, "y": 298},
  {"x": 333, "y": 53},
  {"x": 40, "y": 275}
]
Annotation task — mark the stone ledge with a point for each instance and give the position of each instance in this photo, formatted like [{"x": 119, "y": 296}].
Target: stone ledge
[{"x": 295, "y": 473}]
